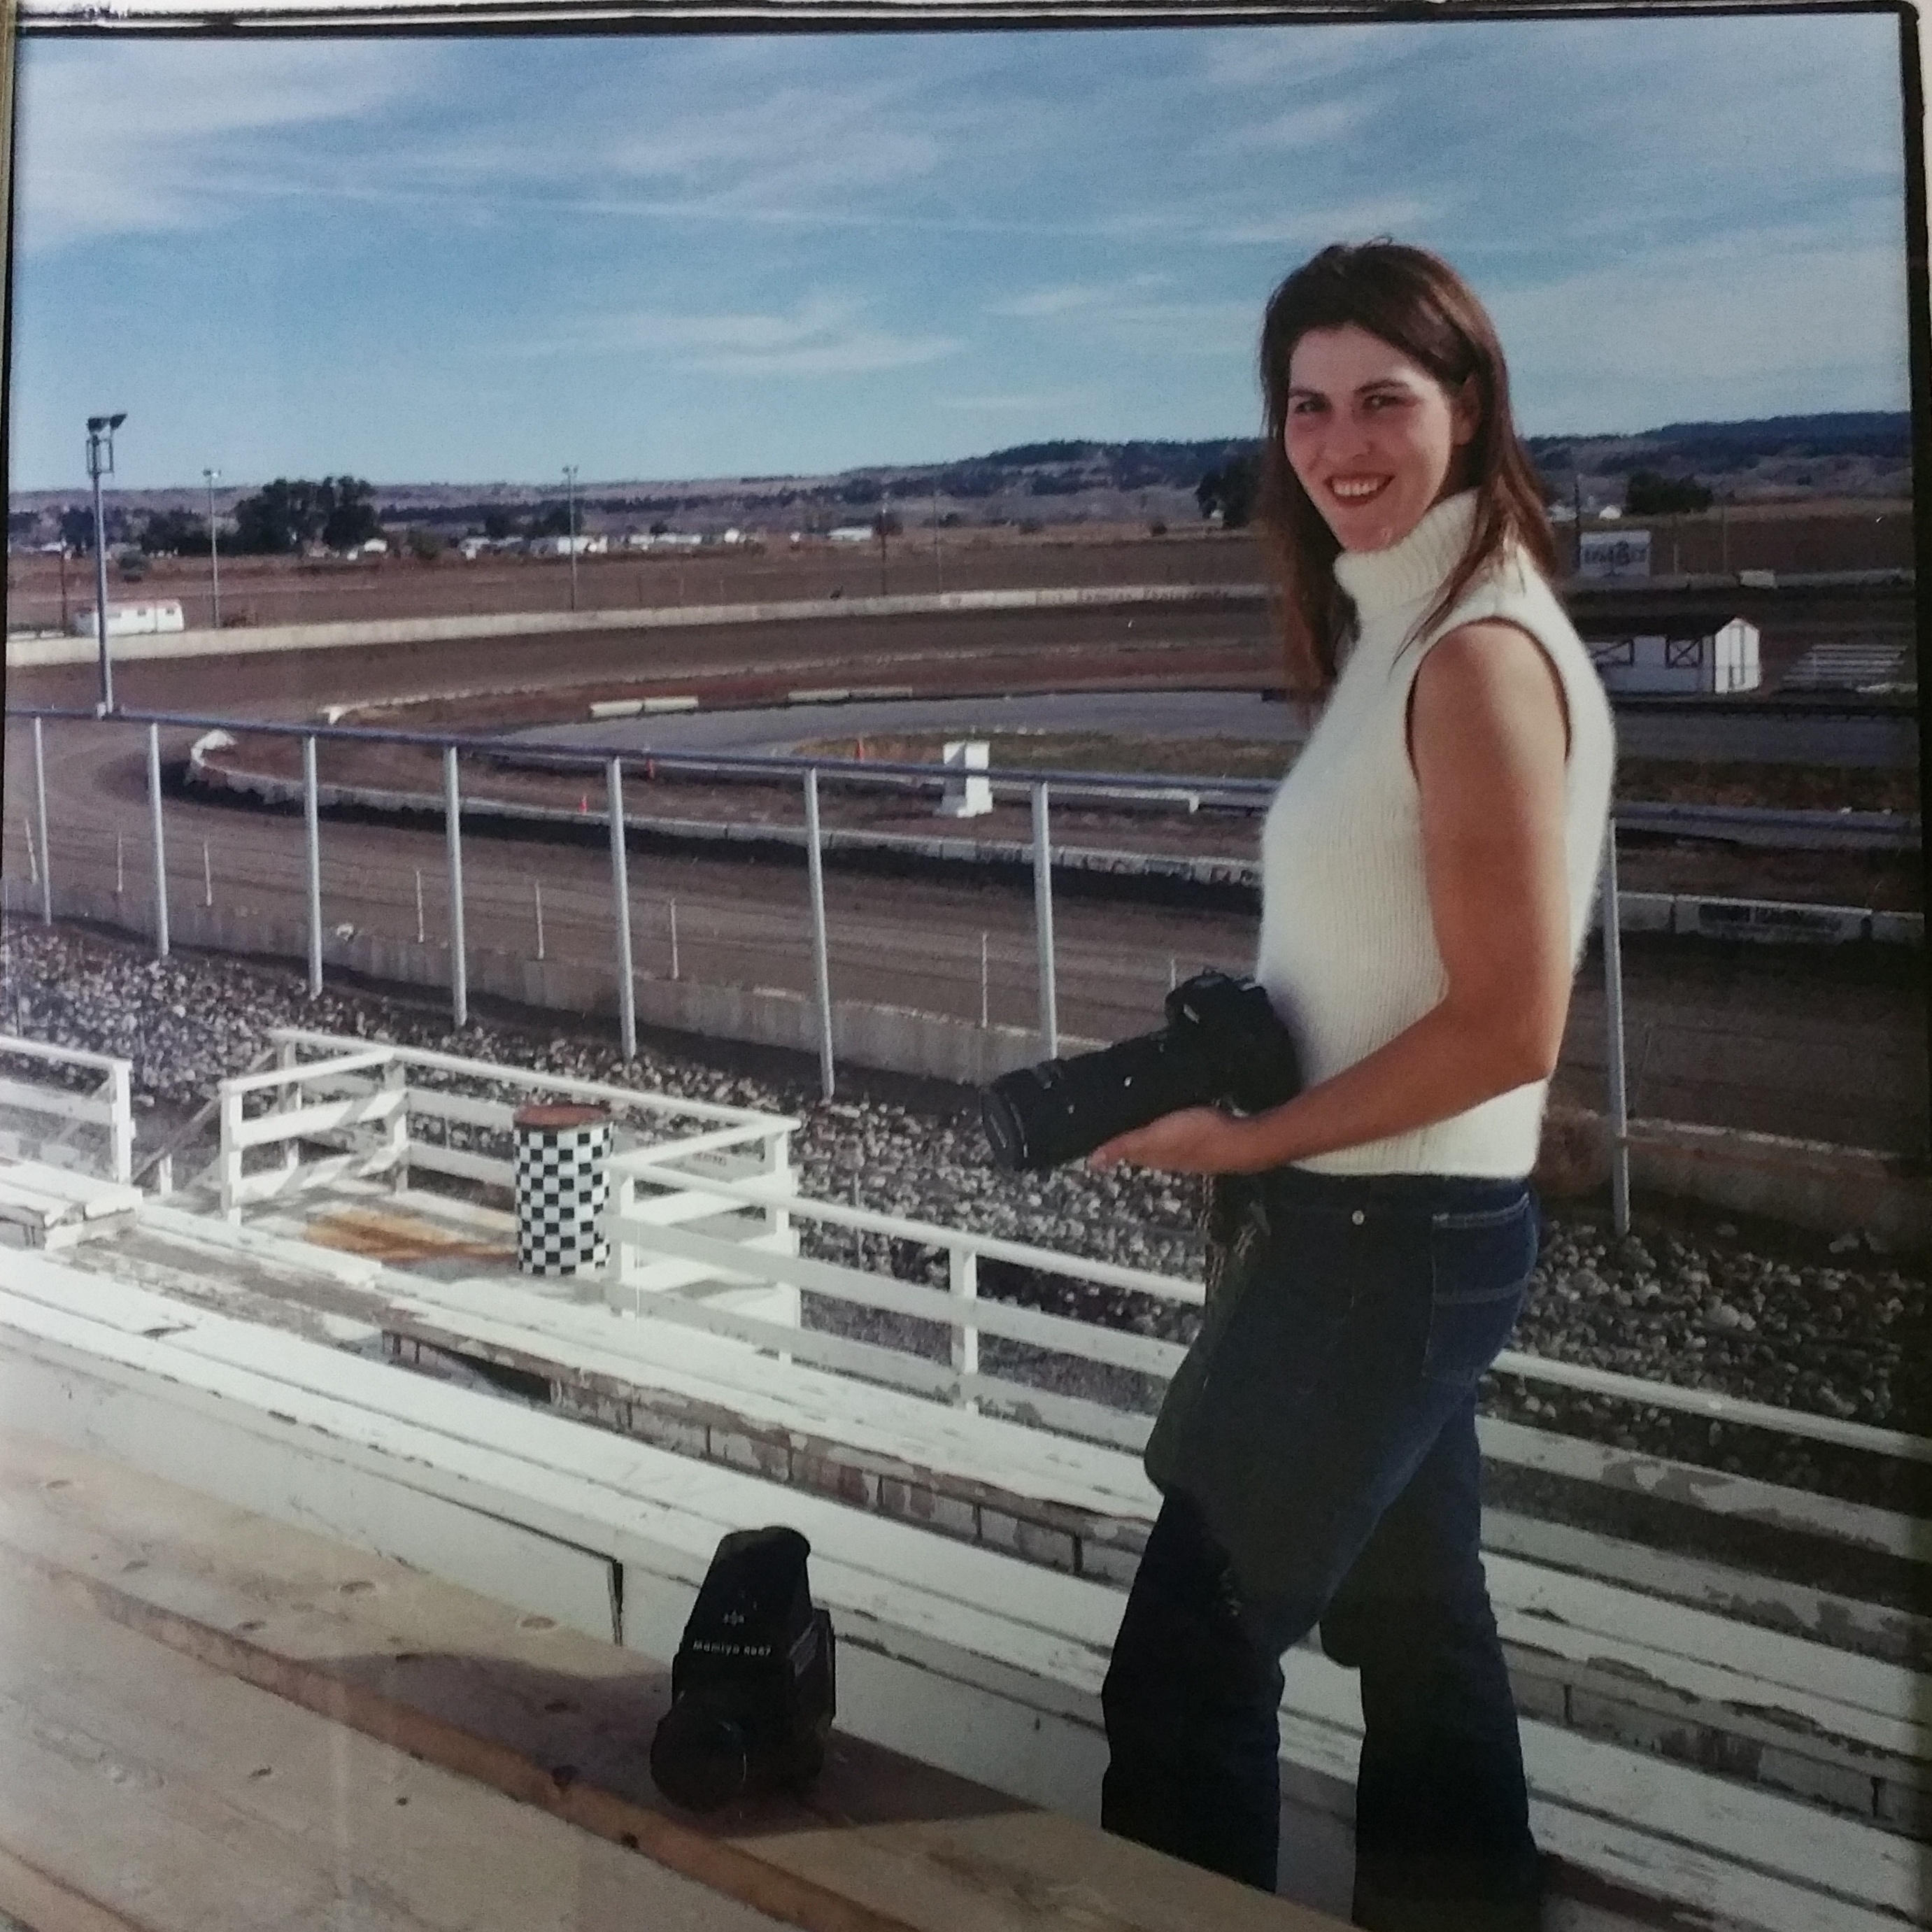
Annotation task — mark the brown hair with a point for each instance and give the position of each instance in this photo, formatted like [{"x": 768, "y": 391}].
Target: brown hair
[{"x": 1415, "y": 302}]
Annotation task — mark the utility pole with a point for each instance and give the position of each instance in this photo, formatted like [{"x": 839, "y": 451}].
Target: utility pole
[
  {"x": 100, "y": 463},
  {"x": 213, "y": 548},
  {"x": 570, "y": 485}
]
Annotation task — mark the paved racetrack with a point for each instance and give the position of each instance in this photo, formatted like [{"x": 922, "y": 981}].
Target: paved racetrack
[{"x": 1817, "y": 1046}]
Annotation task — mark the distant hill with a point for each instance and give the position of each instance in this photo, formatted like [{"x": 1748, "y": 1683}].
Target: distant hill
[
  {"x": 1852, "y": 453},
  {"x": 1073, "y": 482}
]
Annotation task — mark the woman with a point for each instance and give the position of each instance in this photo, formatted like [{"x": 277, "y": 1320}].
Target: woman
[{"x": 1428, "y": 868}]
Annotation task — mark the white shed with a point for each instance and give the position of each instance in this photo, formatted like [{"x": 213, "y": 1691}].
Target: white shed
[{"x": 1727, "y": 661}]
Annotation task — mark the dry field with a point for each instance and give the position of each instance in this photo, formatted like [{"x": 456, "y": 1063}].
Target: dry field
[{"x": 283, "y": 590}]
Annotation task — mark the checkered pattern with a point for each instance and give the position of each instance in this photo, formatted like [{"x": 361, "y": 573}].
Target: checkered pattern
[{"x": 562, "y": 1187}]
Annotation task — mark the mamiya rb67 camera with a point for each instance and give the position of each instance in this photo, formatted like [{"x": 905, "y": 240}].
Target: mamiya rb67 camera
[
  {"x": 1222, "y": 1045},
  {"x": 752, "y": 1684}
]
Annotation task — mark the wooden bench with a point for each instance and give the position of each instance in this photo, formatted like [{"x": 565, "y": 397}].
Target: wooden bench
[
  {"x": 153, "y": 1624},
  {"x": 987, "y": 1664},
  {"x": 59, "y": 1206}
]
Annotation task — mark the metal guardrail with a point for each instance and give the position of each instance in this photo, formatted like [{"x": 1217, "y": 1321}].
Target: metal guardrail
[{"x": 1039, "y": 785}]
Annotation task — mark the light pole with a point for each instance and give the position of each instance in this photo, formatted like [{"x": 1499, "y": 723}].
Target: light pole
[
  {"x": 100, "y": 463},
  {"x": 570, "y": 485},
  {"x": 213, "y": 548}
]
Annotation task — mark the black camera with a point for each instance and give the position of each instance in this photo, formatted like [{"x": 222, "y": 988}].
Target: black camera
[
  {"x": 752, "y": 1686},
  {"x": 1222, "y": 1045}
]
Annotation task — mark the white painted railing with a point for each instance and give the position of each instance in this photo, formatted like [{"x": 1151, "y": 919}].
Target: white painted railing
[
  {"x": 346, "y": 1084},
  {"x": 644, "y": 1235},
  {"x": 110, "y": 1107},
  {"x": 957, "y": 1308}
]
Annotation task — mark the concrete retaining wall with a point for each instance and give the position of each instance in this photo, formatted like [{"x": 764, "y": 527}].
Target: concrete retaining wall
[
  {"x": 1807, "y": 1183},
  {"x": 1701, "y": 915},
  {"x": 40, "y": 653}
]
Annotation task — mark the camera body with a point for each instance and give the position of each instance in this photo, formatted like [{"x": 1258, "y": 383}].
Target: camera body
[
  {"x": 1222, "y": 1045},
  {"x": 753, "y": 1684}
]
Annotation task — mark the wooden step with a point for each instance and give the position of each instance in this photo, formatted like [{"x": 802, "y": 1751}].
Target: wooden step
[
  {"x": 994, "y": 1664},
  {"x": 219, "y": 1668},
  {"x": 1589, "y": 1653}
]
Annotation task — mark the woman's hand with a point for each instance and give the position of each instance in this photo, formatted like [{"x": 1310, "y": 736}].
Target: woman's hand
[{"x": 1197, "y": 1140}]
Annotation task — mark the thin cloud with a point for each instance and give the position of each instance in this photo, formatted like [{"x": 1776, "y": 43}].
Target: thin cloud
[
  {"x": 99, "y": 160},
  {"x": 1315, "y": 126},
  {"x": 824, "y": 335},
  {"x": 1748, "y": 328}
]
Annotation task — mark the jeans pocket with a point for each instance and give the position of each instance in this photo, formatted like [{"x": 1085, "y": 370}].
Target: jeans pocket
[{"x": 1479, "y": 1263}]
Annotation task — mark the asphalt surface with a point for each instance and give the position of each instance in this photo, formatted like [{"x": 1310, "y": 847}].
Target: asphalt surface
[
  {"x": 1819, "y": 1044},
  {"x": 1885, "y": 741}
]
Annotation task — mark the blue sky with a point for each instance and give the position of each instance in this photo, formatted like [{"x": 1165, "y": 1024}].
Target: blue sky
[{"x": 470, "y": 260}]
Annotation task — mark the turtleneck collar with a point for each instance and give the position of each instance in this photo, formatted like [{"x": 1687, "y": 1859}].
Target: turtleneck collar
[{"x": 1379, "y": 581}]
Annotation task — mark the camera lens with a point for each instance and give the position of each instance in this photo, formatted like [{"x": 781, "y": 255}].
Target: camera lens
[
  {"x": 1006, "y": 1132},
  {"x": 698, "y": 1756}
]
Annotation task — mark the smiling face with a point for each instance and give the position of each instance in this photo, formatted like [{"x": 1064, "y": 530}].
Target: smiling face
[{"x": 1373, "y": 437}]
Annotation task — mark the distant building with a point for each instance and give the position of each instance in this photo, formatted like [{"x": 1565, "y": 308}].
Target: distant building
[
  {"x": 1725, "y": 661},
  {"x": 129, "y": 620},
  {"x": 852, "y": 533}
]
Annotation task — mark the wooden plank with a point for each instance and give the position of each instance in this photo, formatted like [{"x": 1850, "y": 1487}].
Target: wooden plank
[
  {"x": 1168, "y": 1288},
  {"x": 884, "y": 1844},
  {"x": 275, "y": 1183},
  {"x": 1802, "y": 1510},
  {"x": 32, "y": 1098},
  {"x": 87, "y": 1192},
  {"x": 547, "y": 1083},
  {"x": 1086, "y": 1339},
  {"x": 462, "y": 1108},
  {"x": 1713, "y": 1404},
  {"x": 293, "y": 1076},
  {"x": 311, "y": 1122},
  {"x": 461, "y": 1163},
  {"x": 201, "y": 1802},
  {"x": 36, "y": 1901},
  {"x": 1838, "y": 1627},
  {"x": 65, "y": 1056}
]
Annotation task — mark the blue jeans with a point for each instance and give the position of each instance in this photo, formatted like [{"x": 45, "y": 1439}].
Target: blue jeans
[{"x": 1323, "y": 1469}]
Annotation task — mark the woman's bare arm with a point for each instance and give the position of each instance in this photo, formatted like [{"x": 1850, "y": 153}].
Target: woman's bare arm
[{"x": 1488, "y": 737}]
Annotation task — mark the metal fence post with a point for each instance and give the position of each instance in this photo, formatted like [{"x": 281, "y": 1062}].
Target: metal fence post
[
  {"x": 620, "y": 886},
  {"x": 821, "y": 965},
  {"x": 1613, "y": 1007},
  {"x": 160, "y": 850},
  {"x": 452, "y": 822},
  {"x": 1043, "y": 921},
  {"x": 40, "y": 802},
  {"x": 312, "y": 827}
]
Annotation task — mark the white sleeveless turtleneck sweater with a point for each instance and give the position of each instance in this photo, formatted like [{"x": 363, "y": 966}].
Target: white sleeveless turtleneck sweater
[{"x": 1348, "y": 950}]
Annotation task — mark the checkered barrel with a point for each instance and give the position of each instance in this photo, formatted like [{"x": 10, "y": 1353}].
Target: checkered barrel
[{"x": 562, "y": 1182}]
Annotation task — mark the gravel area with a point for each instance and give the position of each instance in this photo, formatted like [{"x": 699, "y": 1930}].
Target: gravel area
[{"x": 1776, "y": 1314}]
